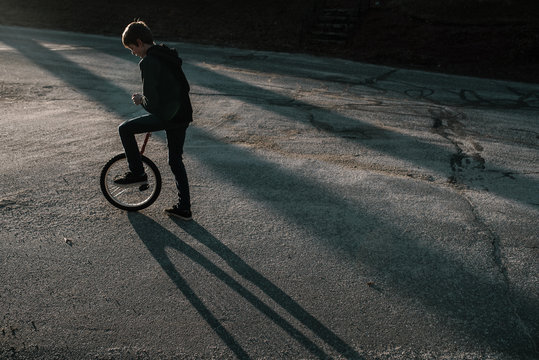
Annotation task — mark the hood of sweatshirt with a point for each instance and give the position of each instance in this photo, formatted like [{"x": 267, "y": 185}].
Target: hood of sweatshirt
[{"x": 165, "y": 54}]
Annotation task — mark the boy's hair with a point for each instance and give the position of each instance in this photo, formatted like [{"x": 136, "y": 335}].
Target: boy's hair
[{"x": 137, "y": 30}]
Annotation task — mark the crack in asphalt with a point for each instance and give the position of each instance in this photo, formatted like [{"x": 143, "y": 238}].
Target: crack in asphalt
[
  {"x": 452, "y": 129},
  {"x": 497, "y": 257}
]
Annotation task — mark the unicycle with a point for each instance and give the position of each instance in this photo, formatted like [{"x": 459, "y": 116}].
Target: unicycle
[{"x": 130, "y": 197}]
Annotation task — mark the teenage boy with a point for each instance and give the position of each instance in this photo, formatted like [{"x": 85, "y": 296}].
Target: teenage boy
[{"x": 165, "y": 96}]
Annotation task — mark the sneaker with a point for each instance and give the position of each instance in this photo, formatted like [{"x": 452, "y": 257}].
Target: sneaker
[
  {"x": 179, "y": 213},
  {"x": 129, "y": 179}
]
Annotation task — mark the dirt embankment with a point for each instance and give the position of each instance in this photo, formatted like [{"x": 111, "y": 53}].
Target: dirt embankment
[{"x": 486, "y": 38}]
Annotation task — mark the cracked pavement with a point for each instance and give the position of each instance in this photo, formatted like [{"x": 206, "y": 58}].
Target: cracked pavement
[{"x": 341, "y": 210}]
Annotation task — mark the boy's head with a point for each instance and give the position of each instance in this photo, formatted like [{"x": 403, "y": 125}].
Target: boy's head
[{"x": 137, "y": 30}]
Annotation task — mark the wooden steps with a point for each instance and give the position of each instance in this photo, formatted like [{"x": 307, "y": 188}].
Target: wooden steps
[{"x": 334, "y": 22}]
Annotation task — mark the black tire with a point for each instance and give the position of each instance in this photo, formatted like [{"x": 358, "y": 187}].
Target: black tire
[{"x": 130, "y": 197}]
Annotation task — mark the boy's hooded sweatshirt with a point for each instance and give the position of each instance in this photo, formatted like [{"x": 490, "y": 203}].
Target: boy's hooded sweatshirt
[{"x": 164, "y": 86}]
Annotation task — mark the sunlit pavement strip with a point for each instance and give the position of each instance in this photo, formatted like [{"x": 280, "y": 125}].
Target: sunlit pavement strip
[{"x": 341, "y": 210}]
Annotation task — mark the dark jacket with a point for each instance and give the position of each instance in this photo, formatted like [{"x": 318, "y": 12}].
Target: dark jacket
[{"x": 164, "y": 85}]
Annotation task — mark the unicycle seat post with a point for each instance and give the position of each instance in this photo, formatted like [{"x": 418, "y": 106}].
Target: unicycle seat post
[{"x": 148, "y": 134}]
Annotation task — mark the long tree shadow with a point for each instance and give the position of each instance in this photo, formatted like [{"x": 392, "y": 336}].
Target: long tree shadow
[
  {"x": 157, "y": 239},
  {"x": 98, "y": 88}
]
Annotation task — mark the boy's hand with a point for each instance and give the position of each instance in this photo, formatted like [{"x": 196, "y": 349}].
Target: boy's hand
[{"x": 137, "y": 99}]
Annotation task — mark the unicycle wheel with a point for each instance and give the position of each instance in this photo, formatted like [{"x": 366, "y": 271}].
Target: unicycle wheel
[{"x": 130, "y": 197}]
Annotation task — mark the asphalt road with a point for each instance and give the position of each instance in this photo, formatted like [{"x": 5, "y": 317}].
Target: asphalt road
[{"x": 341, "y": 210}]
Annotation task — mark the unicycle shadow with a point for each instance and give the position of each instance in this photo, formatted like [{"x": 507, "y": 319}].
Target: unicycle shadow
[
  {"x": 157, "y": 239},
  {"x": 199, "y": 233}
]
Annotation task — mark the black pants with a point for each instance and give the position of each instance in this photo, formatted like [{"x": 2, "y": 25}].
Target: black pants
[{"x": 175, "y": 140}]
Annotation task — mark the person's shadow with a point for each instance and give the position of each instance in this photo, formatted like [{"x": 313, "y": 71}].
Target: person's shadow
[{"x": 157, "y": 239}]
